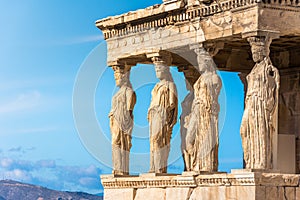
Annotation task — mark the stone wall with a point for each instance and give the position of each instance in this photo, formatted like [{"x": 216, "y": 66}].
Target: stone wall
[
  {"x": 240, "y": 184},
  {"x": 289, "y": 106}
]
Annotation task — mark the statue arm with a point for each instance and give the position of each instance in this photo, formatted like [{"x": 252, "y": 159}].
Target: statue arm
[
  {"x": 173, "y": 106},
  {"x": 172, "y": 117},
  {"x": 272, "y": 99},
  {"x": 217, "y": 89},
  {"x": 173, "y": 95},
  {"x": 218, "y": 84},
  {"x": 131, "y": 101}
]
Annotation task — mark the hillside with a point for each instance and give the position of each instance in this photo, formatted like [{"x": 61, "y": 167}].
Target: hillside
[{"x": 12, "y": 190}]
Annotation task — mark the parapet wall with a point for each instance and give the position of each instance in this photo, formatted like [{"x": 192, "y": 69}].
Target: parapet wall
[{"x": 239, "y": 184}]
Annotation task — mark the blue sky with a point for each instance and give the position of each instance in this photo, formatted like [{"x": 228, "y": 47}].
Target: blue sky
[{"x": 45, "y": 47}]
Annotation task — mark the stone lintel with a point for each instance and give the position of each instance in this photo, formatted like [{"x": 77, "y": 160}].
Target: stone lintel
[
  {"x": 172, "y": 13},
  {"x": 134, "y": 34}
]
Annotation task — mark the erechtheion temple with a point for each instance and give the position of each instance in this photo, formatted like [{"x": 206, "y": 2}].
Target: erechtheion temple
[{"x": 258, "y": 39}]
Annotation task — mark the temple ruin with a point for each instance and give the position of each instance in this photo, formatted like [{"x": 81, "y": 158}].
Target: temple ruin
[{"x": 260, "y": 40}]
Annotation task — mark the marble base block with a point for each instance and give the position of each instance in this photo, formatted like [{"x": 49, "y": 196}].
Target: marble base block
[{"x": 246, "y": 185}]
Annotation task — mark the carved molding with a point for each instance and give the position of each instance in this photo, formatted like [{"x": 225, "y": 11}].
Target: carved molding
[
  {"x": 223, "y": 179},
  {"x": 163, "y": 19}
]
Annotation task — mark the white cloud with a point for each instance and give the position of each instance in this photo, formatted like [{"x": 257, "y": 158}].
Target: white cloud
[
  {"x": 16, "y": 149},
  {"x": 46, "y": 163},
  {"x": 10, "y": 164},
  {"x": 22, "y": 102},
  {"x": 20, "y": 150},
  {"x": 6, "y": 162},
  {"x": 47, "y": 173},
  {"x": 18, "y": 174},
  {"x": 81, "y": 40},
  {"x": 89, "y": 182}
]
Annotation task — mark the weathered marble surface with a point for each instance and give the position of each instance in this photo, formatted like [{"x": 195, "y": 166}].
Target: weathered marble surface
[
  {"x": 259, "y": 124},
  {"x": 289, "y": 108},
  {"x": 174, "y": 26},
  {"x": 202, "y": 140},
  {"x": 161, "y": 27},
  {"x": 191, "y": 75},
  {"x": 162, "y": 115},
  {"x": 220, "y": 186},
  {"x": 121, "y": 120}
]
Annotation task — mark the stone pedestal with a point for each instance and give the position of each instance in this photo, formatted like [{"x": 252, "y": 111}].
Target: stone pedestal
[{"x": 240, "y": 184}]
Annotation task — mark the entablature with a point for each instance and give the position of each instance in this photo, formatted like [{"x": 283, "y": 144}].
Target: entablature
[{"x": 173, "y": 26}]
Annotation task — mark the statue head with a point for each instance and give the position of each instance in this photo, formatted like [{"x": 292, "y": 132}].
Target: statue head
[
  {"x": 121, "y": 74},
  {"x": 162, "y": 71},
  {"x": 259, "y": 48},
  {"x": 162, "y": 68},
  {"x": 205, "y": 61},
  {"x": 191, "y": 75}
]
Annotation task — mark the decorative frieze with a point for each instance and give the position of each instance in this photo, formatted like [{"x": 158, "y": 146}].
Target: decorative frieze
[
  {"x": 165, "y": 19},
  {"x": 119, "y": 28},
  {"x": 202, "y": 180},
  {"x": 146, "y": 182}
]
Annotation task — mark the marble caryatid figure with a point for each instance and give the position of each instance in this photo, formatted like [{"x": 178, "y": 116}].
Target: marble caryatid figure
[
  {"x": 191, "y": 75},
  {"x": 121, "y": 120},
  {"x": 162, "y": 116},
  {"x": 259, "y": 122},
  {"x": 202, "y": 139}
]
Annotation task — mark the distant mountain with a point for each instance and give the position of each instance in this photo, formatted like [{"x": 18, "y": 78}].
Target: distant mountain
[{"x": 12, "y": 190}]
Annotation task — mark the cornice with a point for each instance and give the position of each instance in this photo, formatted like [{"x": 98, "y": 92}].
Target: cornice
[
  {"x": 155, "y": 16},
  {"x": 220, "y": 179}
]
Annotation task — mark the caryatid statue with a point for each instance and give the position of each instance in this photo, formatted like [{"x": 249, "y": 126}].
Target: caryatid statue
[
  {"x": 162, "y": 115},
  {"x": 191, "y": 75},
  {"x": 259, "y": 122},
  {"x": 121, "y": 120},
  {"x": 202, "y": 140}
]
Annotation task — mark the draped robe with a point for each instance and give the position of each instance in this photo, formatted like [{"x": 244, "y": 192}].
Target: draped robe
[
  {"x": 121, "y": 124},
  {"x": 162, "y": 116},
  {"x": 258, "y": 127}
]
